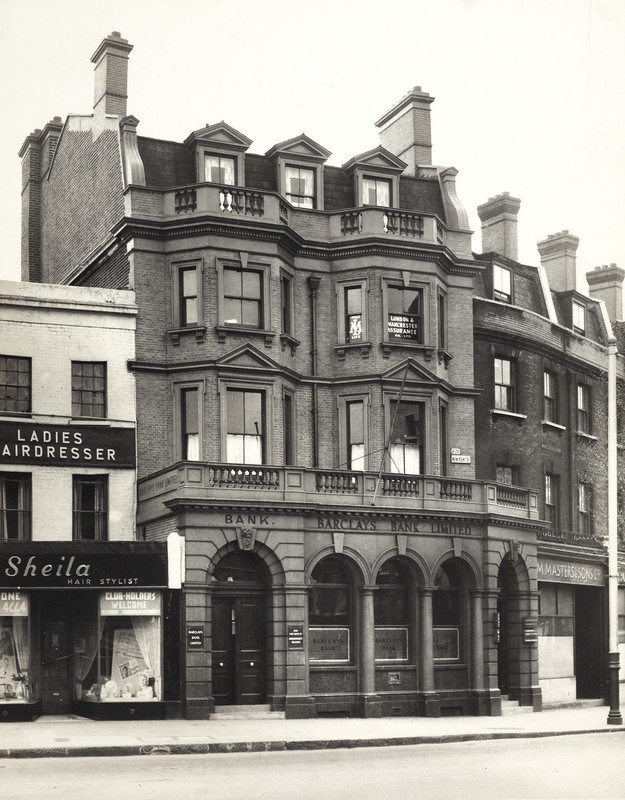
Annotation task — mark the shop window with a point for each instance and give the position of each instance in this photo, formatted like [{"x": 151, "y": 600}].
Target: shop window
[
  {"x": 447, "y": 613},
  {"x": 552, "y": 503},
  {"x": 406, "y": 452},
  {"x": 89, "y": 389},
  {"x": 15, "y": 384},
  {"x": 220, "y": 169},
  {"x": 330, "y": 614},
  {"x": 579, "y": 318},
  {"x": 15, "y": 666},
  {"x": 245, "y": 426},
  {"x": 584, "y": 508},
  {"x": 391, "y": 603},
  {"x": 556, "y": 609},
  {"x": 404, "y": 314},
  {"x": 505, "y": 394},
  {"x": 90, "y": 507},
  {"x": 583, "y": 408},
  {"x": 289, "y": 428},
  {"x": 15, "y": 506},
  {"x": 502, "y": 284},
  {"x": 243, "y": 297},
  {"x": 621, "y": 615},
  {"x": 376, "y": 192},
  {"x": 300, "y": 186},
  {"x": 550, "y": 396},
  {"x": 117, "y": 647}
]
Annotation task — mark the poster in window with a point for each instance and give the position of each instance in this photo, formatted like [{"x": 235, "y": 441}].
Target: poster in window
[
  {"x": 403, "y": 326},
  {"x": 446, "y": 644},
  {"x": 128, "y": 665},
  {"x": 329, "y": 644},
  {"x": 391, "y": 644}
]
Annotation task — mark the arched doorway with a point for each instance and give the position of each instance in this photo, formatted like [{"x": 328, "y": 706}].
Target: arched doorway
[{"x": 239, "y": 629}]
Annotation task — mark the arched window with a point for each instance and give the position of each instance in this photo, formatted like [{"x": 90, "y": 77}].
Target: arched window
[
  {"x": 330, "y": 612},
  {"x": 447, "y": 612},
  {"x": 391, "y": 604},
  {"x": 240, "y": 567}
]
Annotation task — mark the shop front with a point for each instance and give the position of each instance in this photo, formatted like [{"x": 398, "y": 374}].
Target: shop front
[
  {"x": 572, "y": 629},
  {"x": 84, "y": 628}
]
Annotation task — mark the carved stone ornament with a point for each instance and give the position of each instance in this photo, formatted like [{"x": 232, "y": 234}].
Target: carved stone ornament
[
  {"x": 246, "y": 538},
  {"x": 515, "y": 549}
]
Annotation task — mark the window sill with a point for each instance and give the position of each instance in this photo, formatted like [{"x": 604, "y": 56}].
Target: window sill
[
  {"x": 16, "y": 414},
  {"x": 500, "y": 412},
  {"x": 198, "y": 330},
  {"x": 427, "y": 350},
  {"x": 224, "y": 330},
  {"x": 548, "y": 424},
  {"x": 99, "y": 421},
  {"x": 587, "y": 436},
  {"x": 289, "y": 341},
  {"x": 364, "y": 347}
]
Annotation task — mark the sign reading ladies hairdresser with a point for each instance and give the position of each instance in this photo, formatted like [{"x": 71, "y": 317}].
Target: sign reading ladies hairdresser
[{"x": 67, "y": 446}]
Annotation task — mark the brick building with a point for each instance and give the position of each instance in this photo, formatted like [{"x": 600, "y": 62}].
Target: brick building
[
  {"x": 68, "y": 549},
  {"x": 322, "y": 366}
]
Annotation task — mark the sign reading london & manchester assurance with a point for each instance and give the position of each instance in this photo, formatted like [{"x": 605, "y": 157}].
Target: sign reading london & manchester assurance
[{"x": 67, "y": 445}]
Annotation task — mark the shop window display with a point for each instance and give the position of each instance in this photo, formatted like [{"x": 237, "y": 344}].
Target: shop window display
[
  {"x": 118, "y": 652},
  {"x": 14, "y": 648}
]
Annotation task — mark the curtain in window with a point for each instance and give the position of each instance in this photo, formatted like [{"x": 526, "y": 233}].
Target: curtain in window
[
  {"x": 21, "y": 638},
  {"x": 85, "y": 632},
  {"x": 147, "y": 631}
]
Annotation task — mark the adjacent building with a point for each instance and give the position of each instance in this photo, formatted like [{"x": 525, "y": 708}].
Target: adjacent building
[
  {"x": 359, "y": 428},
  {"x": 81, "y": 601}
]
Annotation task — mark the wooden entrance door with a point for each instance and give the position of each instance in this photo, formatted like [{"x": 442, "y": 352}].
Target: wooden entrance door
[
  {"x": 56, "y": 662},
  {"x": 238, "y": 645}
]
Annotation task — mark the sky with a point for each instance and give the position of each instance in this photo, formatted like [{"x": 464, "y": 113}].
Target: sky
[{"x": 530, "y": 94}]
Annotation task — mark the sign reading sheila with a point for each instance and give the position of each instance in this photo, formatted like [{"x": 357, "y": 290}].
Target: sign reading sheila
[{"x": 67, "y": 446}]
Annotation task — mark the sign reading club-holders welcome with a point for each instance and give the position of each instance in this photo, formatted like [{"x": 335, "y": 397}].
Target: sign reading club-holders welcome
[{"x": 67, "y": 445}]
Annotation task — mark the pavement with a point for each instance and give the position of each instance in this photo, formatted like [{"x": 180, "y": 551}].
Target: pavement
[{"x": 70, "y": 736}]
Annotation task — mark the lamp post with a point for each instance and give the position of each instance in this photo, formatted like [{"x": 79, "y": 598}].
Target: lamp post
[{"x": 614, "y": 715}]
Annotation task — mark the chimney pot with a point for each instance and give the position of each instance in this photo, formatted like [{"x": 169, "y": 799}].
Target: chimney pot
[
  {"x": 111, "y": 75},
  {"x": 499, "y": 225},
  {"x": 557, "y": 256},
  {"x": 606, "y": 283}
]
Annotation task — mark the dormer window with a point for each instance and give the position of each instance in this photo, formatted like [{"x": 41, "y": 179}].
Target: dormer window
[
  {"x": 376, "y": 178},
  {"x": 220, "y": 169},
  {"x": 219, "y": 154},
  {"x": 376, "y": 192},
  {"x": 579, "y": 318},
  {"x": 299, "y": 171},
  {"x": 300, "y": 186},
  {"x": 502, "y": 284}
]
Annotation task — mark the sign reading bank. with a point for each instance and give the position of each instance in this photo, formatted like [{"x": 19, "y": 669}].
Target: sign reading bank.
[{"x": 67, "y": 446}]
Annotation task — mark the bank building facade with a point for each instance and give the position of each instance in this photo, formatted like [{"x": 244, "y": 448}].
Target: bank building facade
[{"x": 360, "y": 430}]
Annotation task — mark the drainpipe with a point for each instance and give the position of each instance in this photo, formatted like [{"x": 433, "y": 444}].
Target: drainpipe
[
  {"x": 314, "y": 281},
  {"x": 614, "y": 715}
]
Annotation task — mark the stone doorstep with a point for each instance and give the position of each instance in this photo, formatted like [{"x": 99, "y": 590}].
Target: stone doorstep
[{"x": 246, "y": 712}]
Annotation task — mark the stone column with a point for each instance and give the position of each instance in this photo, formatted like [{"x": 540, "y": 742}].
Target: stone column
[
  {"x": 477, "y": 641},
  {"x": 370, "y": 704}
]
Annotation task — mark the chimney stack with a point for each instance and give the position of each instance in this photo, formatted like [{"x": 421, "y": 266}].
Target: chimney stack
[
  {"x": 499, "y": 225},
  {"x": 557, "y": 256},
  {"x": 111, "y": 76},
  {"x": 606, "y": 283},
  {"x": 405, "y": 130}
]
